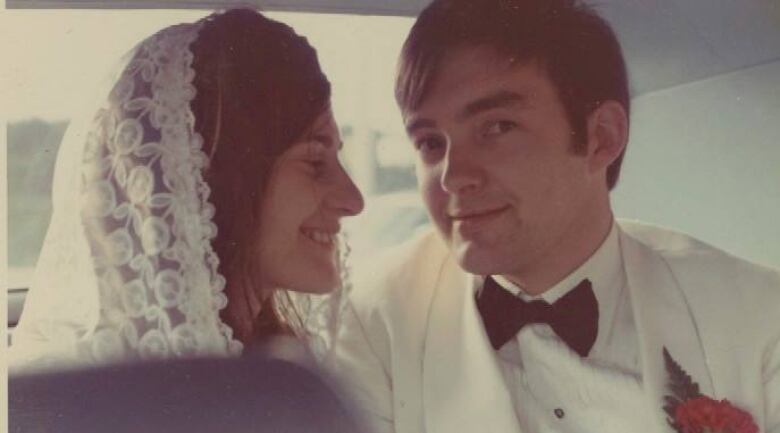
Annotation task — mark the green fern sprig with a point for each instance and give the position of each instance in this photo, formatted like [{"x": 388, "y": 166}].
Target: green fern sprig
[{"x": 681, "y": 385}]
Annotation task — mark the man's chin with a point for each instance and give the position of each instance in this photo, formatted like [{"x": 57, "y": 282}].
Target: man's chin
[{"x": 475, "y": 259}]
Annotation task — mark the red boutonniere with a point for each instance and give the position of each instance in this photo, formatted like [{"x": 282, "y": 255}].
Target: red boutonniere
[{"x": 691, "y": 412}]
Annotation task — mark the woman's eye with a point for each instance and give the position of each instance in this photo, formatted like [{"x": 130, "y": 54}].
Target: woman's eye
[
  {"x": 315, "y": 157},
  {"x": 499, "y": 127},
  {"x": 318, "y": 165}
]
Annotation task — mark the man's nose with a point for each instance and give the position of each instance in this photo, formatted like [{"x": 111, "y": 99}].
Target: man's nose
[{"x": 462, "y": 172}]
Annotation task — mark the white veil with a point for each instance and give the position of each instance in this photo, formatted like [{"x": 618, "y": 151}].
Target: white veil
[{"x": 127, "y": 270}]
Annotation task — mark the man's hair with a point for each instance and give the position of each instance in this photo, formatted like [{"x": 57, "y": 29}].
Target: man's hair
[{"x": 575, "y": 47}]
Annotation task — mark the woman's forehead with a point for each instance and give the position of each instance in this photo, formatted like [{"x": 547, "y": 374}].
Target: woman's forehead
[{"x": 324, "y": 120}]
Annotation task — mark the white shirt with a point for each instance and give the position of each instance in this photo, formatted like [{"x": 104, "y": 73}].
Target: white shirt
[{"x": 549, "y": 399}]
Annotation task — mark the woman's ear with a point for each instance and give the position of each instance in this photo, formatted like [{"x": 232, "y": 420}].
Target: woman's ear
[{"x": 607, "y": 134}]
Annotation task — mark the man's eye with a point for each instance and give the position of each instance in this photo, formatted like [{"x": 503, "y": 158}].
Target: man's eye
[
  {"x": 499, "y": 127},
  {"x": 429, "y": 144}
]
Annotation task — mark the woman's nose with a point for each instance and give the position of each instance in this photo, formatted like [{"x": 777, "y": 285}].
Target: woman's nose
[{"x": 347, "y": 198}]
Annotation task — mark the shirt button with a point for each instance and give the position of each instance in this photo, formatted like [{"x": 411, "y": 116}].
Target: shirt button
[{"x": 559, "y": 413}]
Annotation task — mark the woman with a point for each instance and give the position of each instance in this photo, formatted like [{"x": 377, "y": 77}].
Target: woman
[{"x": 205, "y": 192}]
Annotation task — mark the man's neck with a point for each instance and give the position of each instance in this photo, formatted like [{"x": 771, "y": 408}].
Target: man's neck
[{"x": 578, "y": 245}]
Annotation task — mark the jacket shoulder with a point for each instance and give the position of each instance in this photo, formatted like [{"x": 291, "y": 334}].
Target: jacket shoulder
[
  {"x": 682, "y": 251},
  {"x": 402, "y": 275},
  {"x": 710, "y": 274}
]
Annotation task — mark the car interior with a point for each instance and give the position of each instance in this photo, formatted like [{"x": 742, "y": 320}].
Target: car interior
[{"x": 703, "y": 155}]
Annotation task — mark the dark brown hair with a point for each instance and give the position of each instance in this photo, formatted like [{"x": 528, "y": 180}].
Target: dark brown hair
[
  {"x": 575, "y": 47},
  {"x": 259, "y": 88}
]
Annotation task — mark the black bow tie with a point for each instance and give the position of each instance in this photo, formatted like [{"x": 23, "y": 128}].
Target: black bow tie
[{"x": 574, "y": 317}]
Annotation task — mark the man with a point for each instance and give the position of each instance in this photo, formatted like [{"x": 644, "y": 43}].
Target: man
[{"x": 531, "y": 309}]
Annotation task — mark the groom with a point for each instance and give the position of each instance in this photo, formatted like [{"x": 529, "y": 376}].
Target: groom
[{"x": 532, "y": 309}]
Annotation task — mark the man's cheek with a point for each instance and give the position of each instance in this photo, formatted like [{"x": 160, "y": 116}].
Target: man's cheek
[
  {"x": 432, "y": 193},
  {"x": 435, "y": 199}
]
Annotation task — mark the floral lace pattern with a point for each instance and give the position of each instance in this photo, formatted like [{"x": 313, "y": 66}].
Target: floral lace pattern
[{"x": 146, "y": 213}]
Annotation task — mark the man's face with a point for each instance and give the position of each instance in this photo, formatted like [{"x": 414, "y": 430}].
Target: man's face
[{"x": 496, "y": 165}]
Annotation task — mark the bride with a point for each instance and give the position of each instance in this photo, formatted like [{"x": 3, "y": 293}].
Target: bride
[{"x": 198, "y": 208}]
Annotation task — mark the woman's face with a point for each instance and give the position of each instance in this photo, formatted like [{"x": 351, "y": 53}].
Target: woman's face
[{"x": 308, "y": 193}]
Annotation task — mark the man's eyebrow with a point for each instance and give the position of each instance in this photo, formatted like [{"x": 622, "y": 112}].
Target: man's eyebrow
[
  {"x": 500, "y": 99},
  {"x": 419, "y": 123}
]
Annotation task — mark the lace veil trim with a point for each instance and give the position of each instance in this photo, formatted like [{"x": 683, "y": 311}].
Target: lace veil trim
[{"x": 131, "y": 274}]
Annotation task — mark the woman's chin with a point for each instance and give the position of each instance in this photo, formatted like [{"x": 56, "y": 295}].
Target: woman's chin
[
  {"x": 314, "y": 290},
  {"x": 316, "y": 283}
]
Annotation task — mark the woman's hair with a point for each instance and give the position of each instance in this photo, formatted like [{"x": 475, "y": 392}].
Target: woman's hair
[{"x": 259, "y": 88}]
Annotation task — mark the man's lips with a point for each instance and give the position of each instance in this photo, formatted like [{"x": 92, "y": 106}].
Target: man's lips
[
  {"x": 469, "y": 223},
  {"x": 475, "y": 215}
]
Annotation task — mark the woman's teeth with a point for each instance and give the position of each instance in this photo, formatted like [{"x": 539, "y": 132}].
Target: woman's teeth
[{"x": 320, "y": 237}]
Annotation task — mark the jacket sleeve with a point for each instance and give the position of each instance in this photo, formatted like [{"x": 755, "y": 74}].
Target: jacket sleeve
[
  {"x": 357, "y": 365},
  {"x": 765, "y": 320},
  {"x": 771, "y": 377}
]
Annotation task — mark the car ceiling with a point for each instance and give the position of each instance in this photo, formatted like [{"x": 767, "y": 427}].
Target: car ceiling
[{"x": 667, "y": 42}]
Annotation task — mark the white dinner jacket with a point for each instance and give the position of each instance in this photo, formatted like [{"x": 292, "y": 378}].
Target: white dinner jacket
[{"x": 416, "y": 358}]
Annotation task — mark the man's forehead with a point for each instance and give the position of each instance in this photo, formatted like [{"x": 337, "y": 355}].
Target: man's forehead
[
  {"x": 467, "y": 61},
  {"x": 483, "y": 52},
  {"x": 469, "y": 76}
]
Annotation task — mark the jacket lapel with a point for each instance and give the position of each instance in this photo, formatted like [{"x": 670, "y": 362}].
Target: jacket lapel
[
  {"x": 663, "y": 319},
  {"x": 463, "y": 387}
]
